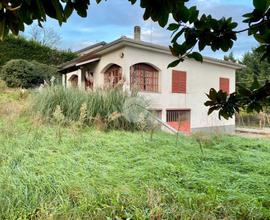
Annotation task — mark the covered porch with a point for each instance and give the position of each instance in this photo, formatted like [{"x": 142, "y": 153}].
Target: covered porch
[
  {"x": 88, "y": 75},
  {"x": 80, "y": 75}
]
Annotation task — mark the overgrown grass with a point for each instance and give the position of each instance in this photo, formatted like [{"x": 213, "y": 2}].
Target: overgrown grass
[
  {"x": 103, "y": 107},
  {"x": 12, "y": 101},
  {"x": 126, "y": 175},
  {"x": 97, "y": 175}
]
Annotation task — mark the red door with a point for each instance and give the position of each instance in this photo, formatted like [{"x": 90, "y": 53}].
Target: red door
[{"x": 179, "y": 120}]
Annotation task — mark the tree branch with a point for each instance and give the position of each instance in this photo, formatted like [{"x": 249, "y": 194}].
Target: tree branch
[{"x": 253, "y": 26}]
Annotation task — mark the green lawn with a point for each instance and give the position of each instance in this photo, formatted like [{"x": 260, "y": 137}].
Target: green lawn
[{"x": 123, "y": 175}]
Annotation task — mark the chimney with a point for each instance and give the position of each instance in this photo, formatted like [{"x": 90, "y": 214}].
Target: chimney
[{"x": 137, "y": 33}]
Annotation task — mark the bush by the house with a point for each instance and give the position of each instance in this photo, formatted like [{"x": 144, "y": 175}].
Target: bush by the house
[
  {"x": 100, "y": 108},
  {"x": 25, "y": 74}
]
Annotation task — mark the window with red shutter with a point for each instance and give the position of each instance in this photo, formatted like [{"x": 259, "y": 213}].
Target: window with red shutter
[
  {"x": 224, "y": 85},
  {"x": 179, "y": 81}
]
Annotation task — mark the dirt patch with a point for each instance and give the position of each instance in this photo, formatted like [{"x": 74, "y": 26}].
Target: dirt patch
[{"x": 252, "y": 133}]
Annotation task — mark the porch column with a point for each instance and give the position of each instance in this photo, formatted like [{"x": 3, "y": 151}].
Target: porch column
[
  {"x": 80, "y": 79},
  {"x": 64, "y": 78},
  {"x": 124, "y": 77}
]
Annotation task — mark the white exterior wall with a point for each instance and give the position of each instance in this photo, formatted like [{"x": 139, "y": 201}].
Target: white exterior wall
[{"x": 200, "y": 78}]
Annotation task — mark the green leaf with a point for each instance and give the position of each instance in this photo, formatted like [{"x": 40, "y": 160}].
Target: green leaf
[
  {"x": 178, "y": 49},
  {"x": 202, "y": 44},
  {"x": 132, "y": 1},
  {"x": 68, "y": 10},
  {"x": 163, "y": 20},
  {"x": 184, "y": 14},
  {"x": 212, "y": 95},
  {"x": 174, "y": 63},
  {"x": 58, "y": 11},
  {"x": 197, "y": 56},
  {"x": 260, "y": 38},
  {"x": 212, "y": 109},
  {"x": 261, "y": 5},
  {"x": 209, "y": 103},
  {"x": 193, "y": 14},
  {"x": 173, "y": 27}
]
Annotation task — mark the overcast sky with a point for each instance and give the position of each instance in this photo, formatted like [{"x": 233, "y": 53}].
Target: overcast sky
[{"x": 112, "y": 19}]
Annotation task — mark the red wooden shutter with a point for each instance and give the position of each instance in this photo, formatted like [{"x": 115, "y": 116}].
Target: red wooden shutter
[
  {"x": 224, "y": 85},
  {"x": 179, "y": 81}
]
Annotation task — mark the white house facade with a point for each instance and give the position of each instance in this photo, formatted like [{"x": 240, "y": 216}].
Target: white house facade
[{"x": 176, "y": 95}]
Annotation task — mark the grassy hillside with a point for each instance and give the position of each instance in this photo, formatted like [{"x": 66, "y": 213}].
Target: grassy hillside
[
  {"x": 20, "y": 48},
  {"x": 123, "y": 175}
]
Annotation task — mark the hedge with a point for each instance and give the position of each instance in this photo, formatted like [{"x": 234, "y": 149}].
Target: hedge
[{"x": 20, "y": 48}]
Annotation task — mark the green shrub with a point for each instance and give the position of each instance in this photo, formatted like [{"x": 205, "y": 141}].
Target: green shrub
[
  {"x": 47, "y": 71},
  {"x": 104, "y": 108},
  {"x": 25, "y": 74}
]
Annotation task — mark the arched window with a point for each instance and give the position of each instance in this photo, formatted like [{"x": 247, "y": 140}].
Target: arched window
[
  {"x": 74, "y": 81},
  {"x": 112, "y": 75},
  {"x": 144, "y": 77}
]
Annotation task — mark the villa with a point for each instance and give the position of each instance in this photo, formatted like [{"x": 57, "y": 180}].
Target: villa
[{"x": 177, "y": 94}]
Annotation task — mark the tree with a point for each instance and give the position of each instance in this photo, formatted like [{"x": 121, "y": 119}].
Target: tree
[
  {"x": 256, "y": 70},
  {"x": 198, "y": 31},
  {"x": 45, "y": 36}
]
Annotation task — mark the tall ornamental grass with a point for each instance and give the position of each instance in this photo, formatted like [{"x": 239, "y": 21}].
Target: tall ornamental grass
[{"x": 104, "y": 107}]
